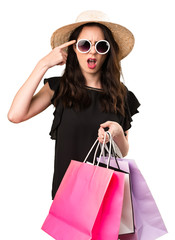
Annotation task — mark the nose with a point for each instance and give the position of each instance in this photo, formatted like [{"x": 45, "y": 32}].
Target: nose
[{"x": 93, "y": 51}]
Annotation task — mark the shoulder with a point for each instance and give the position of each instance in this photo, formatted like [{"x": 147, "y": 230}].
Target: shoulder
[{"x": 53, "y": 82}]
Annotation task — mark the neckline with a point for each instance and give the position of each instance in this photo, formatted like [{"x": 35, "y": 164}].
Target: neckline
[{"x": 94, "y": 89}]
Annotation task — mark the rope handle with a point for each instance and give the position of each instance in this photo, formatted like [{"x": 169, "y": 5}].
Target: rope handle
[
  {"x": 112, "y": 146},
  {"x": 102, "y": 153},
  {"x": 102, "y": 150}
]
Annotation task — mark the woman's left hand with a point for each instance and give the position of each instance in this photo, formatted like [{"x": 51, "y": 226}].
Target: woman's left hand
[{"x": 113, "y": 127}]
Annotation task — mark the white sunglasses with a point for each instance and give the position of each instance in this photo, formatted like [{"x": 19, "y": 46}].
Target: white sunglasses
[{"x": 101, "y": 47}]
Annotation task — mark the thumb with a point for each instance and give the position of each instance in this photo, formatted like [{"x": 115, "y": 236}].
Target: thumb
[{"x": 105, "y": 125}]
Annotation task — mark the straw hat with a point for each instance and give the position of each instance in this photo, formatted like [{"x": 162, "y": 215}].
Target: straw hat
[{"x": 122, "y": 35}]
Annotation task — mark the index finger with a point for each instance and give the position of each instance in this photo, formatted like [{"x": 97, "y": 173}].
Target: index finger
[{"x": 65, "y": 45}]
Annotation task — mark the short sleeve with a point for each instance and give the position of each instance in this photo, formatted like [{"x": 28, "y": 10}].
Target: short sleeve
[
  {"x": 54, "y": 84},
  {"x": 131, "y": 108}
]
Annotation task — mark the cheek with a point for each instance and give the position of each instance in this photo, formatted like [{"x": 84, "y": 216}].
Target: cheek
[{"x": 81, "y": 58}]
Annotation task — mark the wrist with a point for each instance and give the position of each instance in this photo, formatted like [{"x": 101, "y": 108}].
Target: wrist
[
  {"x": 43, "y": 65},
  {"x": 121, "y": 141},
  {"x": 119, "y": 133}
]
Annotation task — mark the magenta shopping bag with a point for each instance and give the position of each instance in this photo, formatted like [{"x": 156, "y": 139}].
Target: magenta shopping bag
[{"x": 87, "y": 204}]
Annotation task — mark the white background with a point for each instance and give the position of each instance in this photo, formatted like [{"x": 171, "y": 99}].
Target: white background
[{"x": 26, "y": 161}]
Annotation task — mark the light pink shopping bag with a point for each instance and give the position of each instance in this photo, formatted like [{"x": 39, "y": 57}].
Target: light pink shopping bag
[
  {"x": 87, "y": 205},
  {"x": 127, "y": 217}
]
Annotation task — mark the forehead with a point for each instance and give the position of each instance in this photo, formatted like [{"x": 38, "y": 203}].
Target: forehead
[{"x": 91, "y": 33}]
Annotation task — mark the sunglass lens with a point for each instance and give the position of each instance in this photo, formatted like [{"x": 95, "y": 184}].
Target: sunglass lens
[
  {"x": 102, "y": 47},
  {"x": 84, "y": 45}
]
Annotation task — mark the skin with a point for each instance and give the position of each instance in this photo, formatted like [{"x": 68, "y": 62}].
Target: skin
[
  {"x": 27, "y": 104},
  {"x": 92, "y": 76}
]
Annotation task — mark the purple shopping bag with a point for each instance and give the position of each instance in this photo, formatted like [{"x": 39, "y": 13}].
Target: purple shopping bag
[
  {"x": 149, "y": 224},
  {"x": 148, "y": 220}
]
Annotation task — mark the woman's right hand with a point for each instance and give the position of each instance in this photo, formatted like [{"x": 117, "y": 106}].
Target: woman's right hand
[
  {"x": 57, "y": 56},
  {"x": 25, "y": 104}
]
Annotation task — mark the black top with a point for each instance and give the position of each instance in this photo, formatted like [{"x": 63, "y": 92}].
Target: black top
[{"x": 75, "y": 132}]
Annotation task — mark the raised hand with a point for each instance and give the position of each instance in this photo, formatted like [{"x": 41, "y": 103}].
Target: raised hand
[{"x": 57, "y": 56}]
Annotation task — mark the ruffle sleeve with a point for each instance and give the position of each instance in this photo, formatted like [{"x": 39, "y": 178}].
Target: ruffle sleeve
[
  {"x": 54, "y": 85},
  {"x": 131, "y": 108},
  {"x": 56, "y": 121}
]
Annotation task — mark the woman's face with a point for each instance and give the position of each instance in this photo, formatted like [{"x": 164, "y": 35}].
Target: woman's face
[{"x": 91, "y": 62}]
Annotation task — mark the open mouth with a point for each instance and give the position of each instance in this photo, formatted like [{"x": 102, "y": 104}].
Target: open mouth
[{"x": 91, "y": 63}]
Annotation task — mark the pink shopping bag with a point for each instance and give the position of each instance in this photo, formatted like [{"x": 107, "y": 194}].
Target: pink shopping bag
[{"x": 87, "y": 205}]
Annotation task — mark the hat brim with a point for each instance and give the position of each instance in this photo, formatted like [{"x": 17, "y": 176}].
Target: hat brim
[{"x": 122, "y": 36}]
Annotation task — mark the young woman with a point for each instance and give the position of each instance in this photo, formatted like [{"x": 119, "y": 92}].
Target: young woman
[{"x": 89, "y": 98}]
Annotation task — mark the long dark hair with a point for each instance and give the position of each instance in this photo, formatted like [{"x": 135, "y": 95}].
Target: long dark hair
[{"x": 73, "y": 92}]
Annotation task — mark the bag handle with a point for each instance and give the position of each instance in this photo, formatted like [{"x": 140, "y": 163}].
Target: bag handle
[
  {"x": 91, "y": 151},
  {"x": 111, "y": 147},
  {"x": 103, "y": 146},
  {"x": 102, "y": 150}
]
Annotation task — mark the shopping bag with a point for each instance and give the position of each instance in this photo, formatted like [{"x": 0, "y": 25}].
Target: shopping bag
[
  {"x": 127, "y": 217},
  {"x": 148, "y": 221},
  {"x": 87, "y": 205}
]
